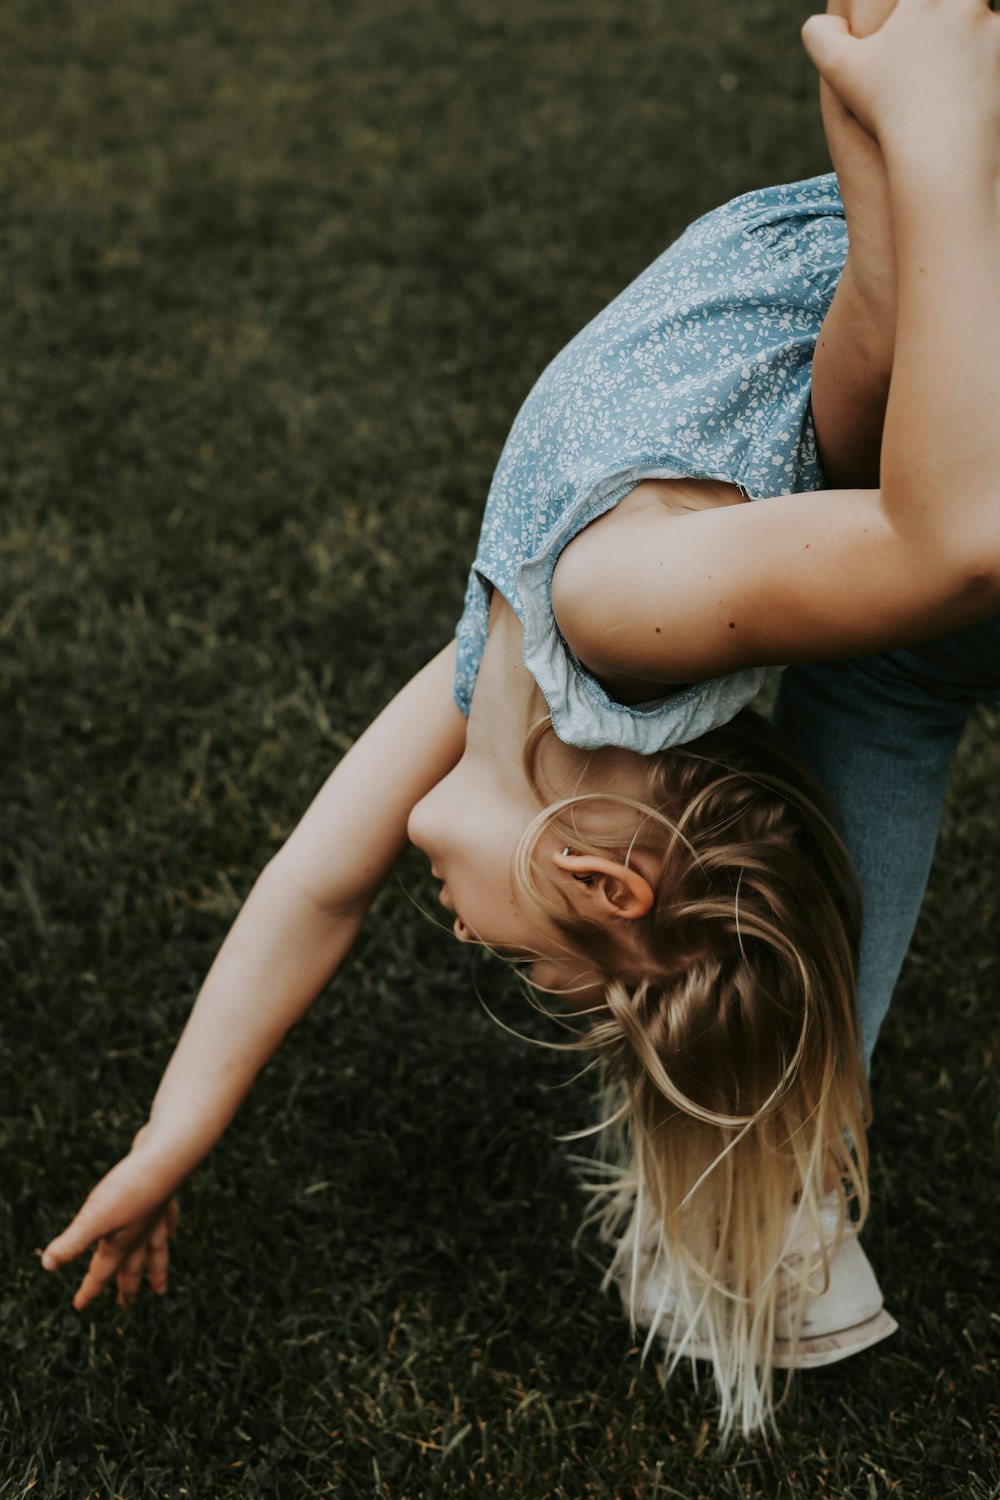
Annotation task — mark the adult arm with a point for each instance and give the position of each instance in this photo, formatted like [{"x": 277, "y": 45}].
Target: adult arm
[{"x": 292, "y": 934}]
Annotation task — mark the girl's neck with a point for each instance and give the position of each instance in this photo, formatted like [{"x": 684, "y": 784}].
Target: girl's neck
[{"x": 507, "y": 703}]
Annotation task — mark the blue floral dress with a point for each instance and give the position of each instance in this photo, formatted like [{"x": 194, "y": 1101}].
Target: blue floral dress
[{"x": 700, "y": 368}]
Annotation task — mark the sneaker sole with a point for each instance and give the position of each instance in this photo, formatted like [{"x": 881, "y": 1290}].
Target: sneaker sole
[
  {"x": 828, "y": 1348},
  {"x": 812, "y": 1354}
]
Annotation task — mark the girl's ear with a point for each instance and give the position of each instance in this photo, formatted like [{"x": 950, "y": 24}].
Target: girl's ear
[{"x": 610, "y": 889}]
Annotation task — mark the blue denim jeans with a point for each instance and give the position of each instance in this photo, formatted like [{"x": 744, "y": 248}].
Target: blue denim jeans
[{"x": 879, "y": 732}]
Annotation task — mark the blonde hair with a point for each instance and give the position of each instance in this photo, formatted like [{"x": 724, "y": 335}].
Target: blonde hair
[{"x": 727, "y": 1039}]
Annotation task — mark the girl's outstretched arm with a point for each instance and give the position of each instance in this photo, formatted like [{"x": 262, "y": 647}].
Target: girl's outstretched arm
[
  {"x": 662, "y": 595},
  {"x": 294, "y": 931}
]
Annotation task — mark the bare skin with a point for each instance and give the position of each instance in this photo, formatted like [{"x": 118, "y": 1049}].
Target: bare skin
[
  {"x": 307, "y": 906},
  {"x": 853, "y": 359},
  {"x": 853, "y": 571},
  {"x": 471, "y": 823}
]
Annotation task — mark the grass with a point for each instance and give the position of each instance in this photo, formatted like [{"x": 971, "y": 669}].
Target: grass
[{"x": 276, "y": 279}]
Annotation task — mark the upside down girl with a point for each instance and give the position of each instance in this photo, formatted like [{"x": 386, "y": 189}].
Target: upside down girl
[{"x": 705, "y": 486}]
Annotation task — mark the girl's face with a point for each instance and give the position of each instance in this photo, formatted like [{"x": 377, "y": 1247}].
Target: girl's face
[{"x": 470, "y": 826}]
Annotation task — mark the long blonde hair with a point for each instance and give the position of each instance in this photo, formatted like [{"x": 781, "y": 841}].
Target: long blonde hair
[{"x": 727, "y": 1039}]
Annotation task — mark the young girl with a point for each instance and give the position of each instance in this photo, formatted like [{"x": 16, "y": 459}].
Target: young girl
[{"x": 596, "y": 805}]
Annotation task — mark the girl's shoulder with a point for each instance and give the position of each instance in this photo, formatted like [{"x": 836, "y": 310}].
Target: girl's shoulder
[
  {"x": 793, "y": 235},
  {"x": 700, "y": 367}
]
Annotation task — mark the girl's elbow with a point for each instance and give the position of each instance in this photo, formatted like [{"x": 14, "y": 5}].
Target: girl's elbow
[
  {"x": 975, "y": 575},
  {"x": 984, "y": 588}
]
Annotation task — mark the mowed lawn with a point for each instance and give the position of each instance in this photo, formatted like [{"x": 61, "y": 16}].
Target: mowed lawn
[{"x": 276, "y": 278}]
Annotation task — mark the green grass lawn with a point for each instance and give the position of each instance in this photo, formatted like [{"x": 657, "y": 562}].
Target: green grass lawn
[{"x": 276, "y": 278}]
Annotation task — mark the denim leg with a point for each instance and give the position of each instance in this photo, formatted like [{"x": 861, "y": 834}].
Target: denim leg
[{"x": 879, "y": 732}]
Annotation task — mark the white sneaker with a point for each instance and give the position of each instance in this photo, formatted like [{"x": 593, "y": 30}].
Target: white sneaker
[
  {"x": 844, "y": 1318},
  {"x": 826, "y": 1349}
]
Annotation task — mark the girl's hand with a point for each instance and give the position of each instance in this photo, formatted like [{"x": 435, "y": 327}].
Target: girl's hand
[
  {"x": 132, "y": 1214},
  {"x": 853, "y": 360},
  {"x": 862, "y": 16},
  {"x": 294, "y": 931},
  {"x": 925, "y": 81}
]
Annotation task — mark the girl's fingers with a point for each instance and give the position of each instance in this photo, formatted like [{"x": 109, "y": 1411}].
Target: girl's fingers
[
  {"x": 133, "y": 1189},
  {"x": 75, "y": 1238},
  {"x": 828, "y": 41},
  {"x": 111, "y": 1260},
  {"x": 844, "y": 63},
  {"x": 863, "y": 16},
  {"x": 159, "y": 1254},
  {"x": 103, "y": 1266},
  {"x": 113, "y": 1202},
  {"x": 130, "y": 1276}
]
